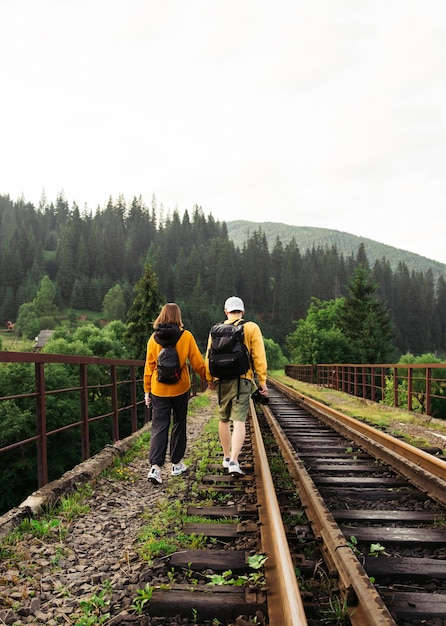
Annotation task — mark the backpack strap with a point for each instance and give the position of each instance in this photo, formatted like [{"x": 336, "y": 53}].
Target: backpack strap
[{"x": 238, "y": 322}]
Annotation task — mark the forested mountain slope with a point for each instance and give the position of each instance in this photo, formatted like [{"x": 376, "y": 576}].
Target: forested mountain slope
[
  {"x": 307, "y": 237},
  {"x": 86, "y": 258}
]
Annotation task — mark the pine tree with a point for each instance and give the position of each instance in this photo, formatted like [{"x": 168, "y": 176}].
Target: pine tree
[
  {"x": 143, "y": 311},
  {"x": 277, "y": 260},
  {"x": 114, "y": 304},
  {"x": 219, "y": 268},
  {"x": 44, "y": 301},
  {"x": 366, "y": 321},
  {"x": 255, "y": 274}
]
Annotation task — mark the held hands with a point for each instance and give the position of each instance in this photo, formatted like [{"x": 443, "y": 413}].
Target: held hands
[
  {"x": 263, "y": 390},
  {"x": 260, "y": 395}
]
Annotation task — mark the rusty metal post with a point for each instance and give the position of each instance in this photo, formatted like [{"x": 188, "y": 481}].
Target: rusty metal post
[
  {"x": 395, "y": 386},
  {"x": 42, "y": 448},
  {"x": 134, "y": 398},
  {"x": 85, "y": 431},
  {"x": 428, "y": 390},
  {"x": 409, "y": 387},
  {"x": 114, "y": 401},
  {"x": 373, "y": 387}
]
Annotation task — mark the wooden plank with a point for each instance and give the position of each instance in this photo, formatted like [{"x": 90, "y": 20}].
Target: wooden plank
[
  {"x": 405, "y": 567},
  {"x": 370, "y": 494},
  {"x": 381, "y": 515},
  {"x": 333, "y": 455},
  {"x": 359, "y": 480},
  {"x": 334, "y": 450},
  {"x": 385, "y": 534},
  {"x": 228, "y": 488},
  {"x": 314, "y": 440},
  {"x": 415, "y": 605},
  {"x": 213, "y": 511},
  {"x": 339, "y": 468},
  {"x": 247, "y": 467},
  {"x": 341, "y": 459},
  {"x": 217, "y": 560},
  {"x": 241, "y": 510},
  {"x": 220, "y": 530},
  {"x": 218, "y": 479},
  {"x": 208, "y": 602}
]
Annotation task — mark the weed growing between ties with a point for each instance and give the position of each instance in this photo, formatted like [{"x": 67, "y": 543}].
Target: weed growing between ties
[{"x": 164, "y": 534}]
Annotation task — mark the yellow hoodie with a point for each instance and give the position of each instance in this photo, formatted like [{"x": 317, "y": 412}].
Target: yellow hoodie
[{"x": 187, "y": 351}]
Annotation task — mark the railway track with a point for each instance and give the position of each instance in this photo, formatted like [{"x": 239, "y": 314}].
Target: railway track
[
  {"x": 375, "y": 506},
  {"x": 351, "y": 522},
  {"x": 241, "y": 514},
  {"x": 358, "y": 535}
]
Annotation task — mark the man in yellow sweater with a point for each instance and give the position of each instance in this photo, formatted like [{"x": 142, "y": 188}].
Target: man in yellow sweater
[
  {"x": 169, "y": 399},
  {"x": 234, "y": 393}
]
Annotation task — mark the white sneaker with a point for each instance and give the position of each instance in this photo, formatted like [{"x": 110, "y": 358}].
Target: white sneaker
[
  {"x": 155, "y": 476},
  {"x": 178, "y": 469},
  {"x": 234, "y": 468},
  {"x": 226, "y": 462}
]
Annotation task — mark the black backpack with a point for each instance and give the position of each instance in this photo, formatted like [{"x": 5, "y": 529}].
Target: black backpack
[
  {"x": 228, "y": 356},
  {"x": 168, "y": 365}
]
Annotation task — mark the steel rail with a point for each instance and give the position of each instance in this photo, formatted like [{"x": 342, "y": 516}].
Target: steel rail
[
  {"x": 365, "y": 606},
  {"x": 425, "y": 471},
  {"x": 285, "y": 607}
]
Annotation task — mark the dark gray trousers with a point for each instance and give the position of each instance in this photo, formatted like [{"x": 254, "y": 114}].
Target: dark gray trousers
[{"x": 165, "y": 409}]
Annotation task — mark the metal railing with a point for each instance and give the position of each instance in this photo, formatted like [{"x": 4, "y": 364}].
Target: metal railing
[
  {"x": 416, "y": 387},
  {"x": 112, "y": 386}
]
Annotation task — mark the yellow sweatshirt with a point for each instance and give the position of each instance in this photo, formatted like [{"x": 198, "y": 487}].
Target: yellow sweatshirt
[{"x": 187, "y": 351}]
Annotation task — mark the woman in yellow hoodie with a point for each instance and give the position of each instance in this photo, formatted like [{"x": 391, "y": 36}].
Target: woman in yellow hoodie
[{"x": 167, "y": 399}]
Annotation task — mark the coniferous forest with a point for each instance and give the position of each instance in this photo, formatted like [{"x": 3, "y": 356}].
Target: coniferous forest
[{"x": 85, "y": 254}]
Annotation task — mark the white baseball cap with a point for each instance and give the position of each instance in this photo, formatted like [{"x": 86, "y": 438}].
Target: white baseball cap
[{"x": 234, "y": 304}]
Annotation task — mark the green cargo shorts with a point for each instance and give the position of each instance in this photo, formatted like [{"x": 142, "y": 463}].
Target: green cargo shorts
[{"x": 231, "y": 407}]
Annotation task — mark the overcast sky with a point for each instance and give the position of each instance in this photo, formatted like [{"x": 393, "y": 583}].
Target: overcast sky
[{"x": 327, "y": 113}]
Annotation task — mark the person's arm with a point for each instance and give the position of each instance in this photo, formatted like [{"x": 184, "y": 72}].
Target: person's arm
[
  {"x": 148, "y": 372},
  {"x": 258, "y": 356},
  {"x": 196, "y": 359},
  {"x": 209, "y": 377}
]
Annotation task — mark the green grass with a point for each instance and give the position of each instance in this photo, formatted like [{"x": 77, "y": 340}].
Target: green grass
[
  {"x": 12, "y": 343},
  {"x": 120, "y": 468}
]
